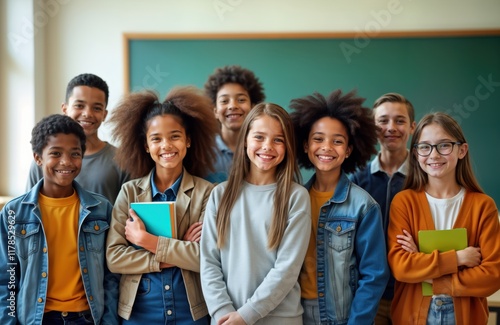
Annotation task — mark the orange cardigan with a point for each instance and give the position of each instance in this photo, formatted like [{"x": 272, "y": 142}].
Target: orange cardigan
[{"x": 469, "y": 287}]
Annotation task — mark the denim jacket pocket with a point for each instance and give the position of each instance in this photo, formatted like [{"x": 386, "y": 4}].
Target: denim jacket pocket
[
  {"x": 95, "y": 234},
  {"x": 27, "y": 238},
  {"x": 340, "y": 234}
]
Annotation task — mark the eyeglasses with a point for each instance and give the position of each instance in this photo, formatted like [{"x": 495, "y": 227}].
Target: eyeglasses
[{"x": 443, "y": 148}]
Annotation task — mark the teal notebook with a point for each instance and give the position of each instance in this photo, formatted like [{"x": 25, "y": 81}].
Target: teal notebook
[
  {"x": 443, "y": 241},
  {"x": 158, "y": 217}
]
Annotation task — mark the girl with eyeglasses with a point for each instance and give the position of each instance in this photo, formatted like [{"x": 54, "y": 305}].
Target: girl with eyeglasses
[{"x": 441, "y": 192}]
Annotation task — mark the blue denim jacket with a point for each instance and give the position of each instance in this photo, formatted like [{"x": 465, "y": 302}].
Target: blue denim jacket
[
  {"x": 352, "y": 265},
  {"x": 24, "y": 259}
]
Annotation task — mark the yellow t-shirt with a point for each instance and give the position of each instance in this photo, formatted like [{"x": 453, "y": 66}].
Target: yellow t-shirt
[
  {"x": 60, "y": 222},
  {"x": 307, "y": 279}
]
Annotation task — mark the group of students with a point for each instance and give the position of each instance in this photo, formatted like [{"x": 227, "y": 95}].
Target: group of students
[{"x": 253, "y": 245}]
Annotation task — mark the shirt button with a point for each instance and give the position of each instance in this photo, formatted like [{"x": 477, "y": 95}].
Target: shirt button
[
  {"x": 167, "y": 287},
  {"x": 64, "y": 313},
  {"x": 23, "y": 232},
  {"x": 45, "y": 249},
  {"x": 44, "y": 274},
  {"x": 323, "y": 210},
  {"x": 39, "y": 300},
  {"x": 85, "y": 271},
  {"x": 82, "y": 248},
  {"x": 439, "y": 302},
  {"x": 320, "y": 274},
  {"x": 321, "y": 294},
  {"x": 169, "y": 312},
  {"x": 321, "y": 225},
  {"x": 320, "y": 242},
  {"x": 91, "y": 298},
  {"x": 96, "y": 227}
]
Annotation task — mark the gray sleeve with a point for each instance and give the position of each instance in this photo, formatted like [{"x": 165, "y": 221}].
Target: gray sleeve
[
  {"x": 35, "y": 175},
  {"x": 212, "y": 278}
]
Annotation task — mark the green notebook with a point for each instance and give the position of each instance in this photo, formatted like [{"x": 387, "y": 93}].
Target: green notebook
[
  {"x": 443, "y": 241},
  {"x": 158, "y": 217}
]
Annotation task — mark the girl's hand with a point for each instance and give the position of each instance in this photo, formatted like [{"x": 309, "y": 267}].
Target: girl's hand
[
  {"x": 407, "y": 242},
  {"x": 134, "y": 228},
  {"x": 469, "y": 257},
  {"x": 194, "y": 232},
  {"x": 233, "y": 318}
]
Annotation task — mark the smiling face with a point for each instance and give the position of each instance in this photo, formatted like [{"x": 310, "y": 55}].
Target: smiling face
[
  {"x": 232, "y": 106},
  {"x": 87, "y": 106},
  {"x": 167, "y": 142},
  {"x": 61, "y": 162},
  {"x": 395, "y": 127},
  {"x": 438, "y": 166},
  {"x": 327, "y": 145},
  {"x": 265, "y": 147}
]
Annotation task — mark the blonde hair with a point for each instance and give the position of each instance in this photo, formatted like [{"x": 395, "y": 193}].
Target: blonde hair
[
  {"x": 417, "y": 178},
  {"x": 286, "y": 172}
]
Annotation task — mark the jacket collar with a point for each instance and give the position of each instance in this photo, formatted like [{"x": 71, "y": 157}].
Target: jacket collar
[
  {"x": 86, "y": 199},
  {"x": 341, "y": 190},
  {"x": 183, "y": 199}
]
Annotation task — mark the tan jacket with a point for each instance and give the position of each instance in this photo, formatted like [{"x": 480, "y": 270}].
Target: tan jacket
[{"x": 132, "y": 263}]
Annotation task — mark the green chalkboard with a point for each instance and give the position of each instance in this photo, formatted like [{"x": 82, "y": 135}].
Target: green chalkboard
[{"x": 455, "y": 74}]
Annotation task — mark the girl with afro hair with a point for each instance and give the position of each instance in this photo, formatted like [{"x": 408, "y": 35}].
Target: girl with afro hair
[
  {"x": 345, "y": 270},
  {"x": 167, "y": 146}
]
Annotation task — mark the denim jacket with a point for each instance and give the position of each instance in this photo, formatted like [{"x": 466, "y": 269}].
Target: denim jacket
[
  {"x": 24, "y": 259},
  {"x": 352, "y": 266}
]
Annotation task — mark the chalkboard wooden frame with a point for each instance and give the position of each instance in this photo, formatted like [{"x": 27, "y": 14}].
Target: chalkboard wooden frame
[{"x": 458, "y": 88}]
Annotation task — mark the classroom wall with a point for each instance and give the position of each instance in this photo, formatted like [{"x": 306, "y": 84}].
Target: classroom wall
[{"x": 44, "y": 43}]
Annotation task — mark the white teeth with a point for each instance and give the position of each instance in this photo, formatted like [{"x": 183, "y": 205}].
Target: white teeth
[
  {"x": 168, "y": 155},
  {"x": 86, "y": 123},
  {"x": 435, "y": 165},
  {"x": 64, "y": 171},
  {"x": 325, "y": 157},
  {"x": 266, "y": 156}
]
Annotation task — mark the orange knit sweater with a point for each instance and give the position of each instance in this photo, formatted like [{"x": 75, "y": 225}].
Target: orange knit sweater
[{"x": 469, "y": 287}]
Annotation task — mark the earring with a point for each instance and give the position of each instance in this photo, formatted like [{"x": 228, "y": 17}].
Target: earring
[
  {"x": 188, "y": 146},
  {"x": 346, "y": 156}
]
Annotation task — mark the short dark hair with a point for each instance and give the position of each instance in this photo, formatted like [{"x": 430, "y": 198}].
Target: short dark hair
[
  {"x": 238, "y": 75},
  {"x": 89, "y": 80},
  {"x": 52, "y": 125},
  {"x": 396, "y": 98},
  {"x": 348, "y": 109}
]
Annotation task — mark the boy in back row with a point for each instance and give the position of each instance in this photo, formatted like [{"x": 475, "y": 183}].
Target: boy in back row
[
  {"x": 52, "y": 247},
  {"x": 384, "y": 176},
  {"x": 86, "y": 102}
]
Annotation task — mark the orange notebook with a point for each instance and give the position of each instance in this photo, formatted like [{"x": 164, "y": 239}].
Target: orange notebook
[{"x": 443, "y": 241}]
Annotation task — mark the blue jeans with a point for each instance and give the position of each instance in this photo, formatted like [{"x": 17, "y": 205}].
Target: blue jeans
[
  {"x": 311, "y": 312},
  {"x": 162, "y": 299},
  {"x": 70, "y": 318},
  {"x": 441, "y": 311}
]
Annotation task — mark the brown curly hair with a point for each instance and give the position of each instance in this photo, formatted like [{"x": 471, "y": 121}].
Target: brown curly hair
[
  {"x": 131, "y": 117},
  {"x": 348, "y": 109},
  {"x": 235, "y": 74}
]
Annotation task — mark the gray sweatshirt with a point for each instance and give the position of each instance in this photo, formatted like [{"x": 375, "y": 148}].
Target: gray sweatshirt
[{"x": 261, "y": 284}]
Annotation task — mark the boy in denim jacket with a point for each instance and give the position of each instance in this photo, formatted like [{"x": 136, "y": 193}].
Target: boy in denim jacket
[{"x": 52, "y": 247}]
